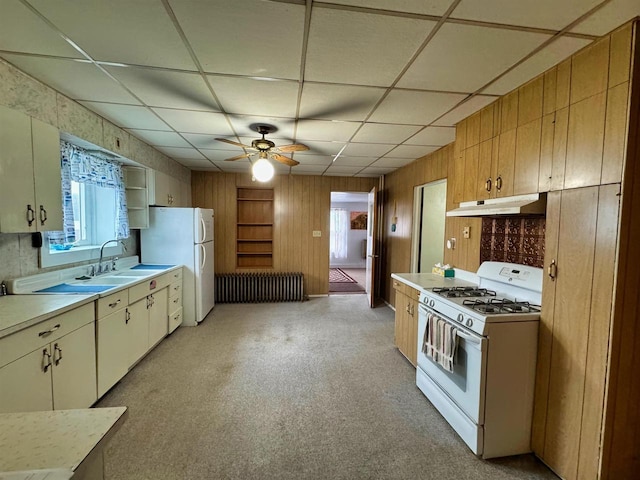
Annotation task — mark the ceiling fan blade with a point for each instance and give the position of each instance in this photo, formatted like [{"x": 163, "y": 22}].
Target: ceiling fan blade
[
  {"x": 231, "y": 142},
  {"x": 238, "y": 157},
  {"x": 282, "y": 159},
  {"x": 296, "y": 147}
]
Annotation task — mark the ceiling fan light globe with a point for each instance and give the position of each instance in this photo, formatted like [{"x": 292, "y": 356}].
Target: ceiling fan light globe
[{"x": 262, "y": 170}]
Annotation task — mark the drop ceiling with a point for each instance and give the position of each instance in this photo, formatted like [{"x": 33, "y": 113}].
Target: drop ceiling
[{"x": 368, "y": 85}]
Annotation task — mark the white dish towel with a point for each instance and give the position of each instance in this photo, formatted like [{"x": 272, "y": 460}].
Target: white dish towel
[{"x": 440, "y": 341}]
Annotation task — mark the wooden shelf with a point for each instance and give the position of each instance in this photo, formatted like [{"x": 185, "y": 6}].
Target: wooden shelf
[{"x": 254, "y": 227}]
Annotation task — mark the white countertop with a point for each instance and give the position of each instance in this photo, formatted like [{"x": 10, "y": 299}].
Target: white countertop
[
  {"x": 420, "y": 281},
  {"x": 54, "y": 439},
  {"x": 21, "y": 311}
]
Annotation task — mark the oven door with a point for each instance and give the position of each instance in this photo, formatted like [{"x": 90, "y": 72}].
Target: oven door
[{"x": 465, "y": 386}]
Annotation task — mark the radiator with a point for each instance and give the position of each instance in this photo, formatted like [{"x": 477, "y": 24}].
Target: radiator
[{"x": 259, "y": 287}]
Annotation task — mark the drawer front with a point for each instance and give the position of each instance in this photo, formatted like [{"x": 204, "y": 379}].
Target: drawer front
[
  {"x": 175, "y": 302},
  {"x": 412, "y": 293},
  {"x": 112, "y": 303},
  {"x": 399, "y": 286},
  {"x": 175, "y": 319},
  {"x": 175, "y": 288},
  {"x": 148, "y": 287},
  {"x": 27, "y": 340},
  {"x": 176, "y": 275}
]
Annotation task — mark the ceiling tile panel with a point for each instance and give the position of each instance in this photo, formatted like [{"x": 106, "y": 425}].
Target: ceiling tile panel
[
  {"x": 195, "y": 164},
  {"x": 438, "y": 136},
  {"x": 550, "y": 14},
  {"x": 410, "y": 151},
  {"x": 367, "y": 149},
  {"x": 308, "y": 170},
  {"x": 540, "y": 62},
  {"x": 354, "y": 161},
  {"x": 137, "y": 32},
  {"x": 414, "y": 108},
  {"x": 181, "y": 153},
  {"x": 187, "y": 121},
  {"x": 200, "y": 141},
  {"x": 352, "y": 47},
  {"x": 238, "y": 37},
  {"x": 385, "y": 133},
  {"x": 609, "y": 17},
  {"x": 164, "y": 139},
  {"x": 158, "y": 88},
  {"x": 374, "y": 172},
  {"x": 256, "y": 97},
  {"x": 77, "y": 80},
  {"x": 325, "y": 130},
  {"x": 21, "y": 30},
  {"x": 432, "y": 7},
  {"x": 463, "y": 58},
  {"x": 464, "y": 110},
  {"x": 338, "y": 102},
  {"x": 314, "y": 160},
  {"x": 392, "y": 162},
  {"x": 128, "y": 116},
  {"x": 237, "y": 166},
  {"x": 342, "y": 171},
  {"x": 244, "y": 126}
]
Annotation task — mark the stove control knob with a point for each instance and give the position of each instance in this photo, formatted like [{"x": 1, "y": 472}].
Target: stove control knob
[
  {"x": 469, "y": 322},
  {"x": 460, "y": 318},
  {"x": 432, "y": 303}
]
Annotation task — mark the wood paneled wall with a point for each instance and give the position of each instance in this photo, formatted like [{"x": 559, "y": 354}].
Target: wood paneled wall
[{"x": 301, "y": 205}]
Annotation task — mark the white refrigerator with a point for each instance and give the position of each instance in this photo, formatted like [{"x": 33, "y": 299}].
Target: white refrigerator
[{"x": 184, "y": 236}]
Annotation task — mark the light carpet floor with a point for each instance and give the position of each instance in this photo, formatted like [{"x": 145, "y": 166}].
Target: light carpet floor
[{"x": 312, "y": 390}]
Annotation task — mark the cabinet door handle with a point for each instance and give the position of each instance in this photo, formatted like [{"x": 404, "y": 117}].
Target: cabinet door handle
[
  {"x": 487, "y": 184},
  {"x": 552, "y": 269},
  {"x": 499, "y": 183},
  {"x": 31, "y": 215},
  {"x": 114, "y": 304},
  {"x": 50, "y": 331},
  {"x": 46, "y": 360},
  {"x": 56, "y": 348},
  {"x": 127, "y": 316},
  {"x": 43, "y": 215},
  {"x": 176, "y": 300}
]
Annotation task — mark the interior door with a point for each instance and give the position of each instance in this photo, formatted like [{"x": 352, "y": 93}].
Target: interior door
[{"x": 372, "y": 228}]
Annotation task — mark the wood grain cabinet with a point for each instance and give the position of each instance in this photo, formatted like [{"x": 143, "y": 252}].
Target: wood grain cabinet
[
  {"x": 51, "y": 365},
  {"x": 406, "y": 321},
  {"x": 580, "y": 243},
  {"x": 31, "y": 197}
]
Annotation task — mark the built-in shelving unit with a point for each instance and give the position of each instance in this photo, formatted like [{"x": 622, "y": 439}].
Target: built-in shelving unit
[
  {"x": 254, "y": 228},
  {"x": 135, "y": 181}
]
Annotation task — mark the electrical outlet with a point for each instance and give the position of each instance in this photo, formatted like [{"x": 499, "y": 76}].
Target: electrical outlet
[
  {"x": 466, "y": 232},
  {"x": 317, "y": 233}
]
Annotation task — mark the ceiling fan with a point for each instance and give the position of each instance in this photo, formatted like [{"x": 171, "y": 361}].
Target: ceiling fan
[{"x": 266, "y": 148}]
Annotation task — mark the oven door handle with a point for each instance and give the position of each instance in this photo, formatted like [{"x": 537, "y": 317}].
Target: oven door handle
[{"x": 465, "y": 336}]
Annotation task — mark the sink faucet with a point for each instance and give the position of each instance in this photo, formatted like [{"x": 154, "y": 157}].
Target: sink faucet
[{"x": 105, "y": 269}]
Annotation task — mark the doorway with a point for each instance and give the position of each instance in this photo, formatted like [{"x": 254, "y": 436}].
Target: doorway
[
  {"x": 430, "y": 210},
  {"x": 347, "y": 243}
]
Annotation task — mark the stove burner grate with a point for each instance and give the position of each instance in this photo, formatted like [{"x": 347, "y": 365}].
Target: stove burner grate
[
  {"x": 501, "y": 306},
  {"x": 462, "y": 292}
]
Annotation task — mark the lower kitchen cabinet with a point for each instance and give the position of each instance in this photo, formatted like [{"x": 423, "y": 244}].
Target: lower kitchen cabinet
[
  {"x": 158, "y": 324},
  {"x": 406, "y": 321},
  {"x": 138, "y": 339},
  {"x": 113, "y": 363},
  {"x": 59, "y": 369}
]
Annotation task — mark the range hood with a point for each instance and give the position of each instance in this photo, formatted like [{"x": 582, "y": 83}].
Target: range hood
[{"x": 532, "y": 204}]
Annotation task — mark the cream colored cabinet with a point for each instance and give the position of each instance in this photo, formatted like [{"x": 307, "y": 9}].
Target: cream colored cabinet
[
  {"x": 158, "y": 325},
  {"x": 113, "y": 334},
  {"x": 31, "y": 196},
  {"x": 174, "y": 306},
  {"x": 135, "y": 180},
  {"x": 164, "y": 190},
  {"x": 406, "y": 321},
  {"x": 137, "y": 341},
  {"x": 51, "y": 365}
]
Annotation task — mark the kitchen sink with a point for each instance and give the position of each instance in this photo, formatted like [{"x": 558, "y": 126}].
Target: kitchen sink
[
  {"x": 136, "y": 273},
  {"x": 107, "y": 280}
]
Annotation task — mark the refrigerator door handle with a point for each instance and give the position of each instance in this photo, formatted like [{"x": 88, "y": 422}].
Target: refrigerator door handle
[
  {"x": 204, "y": 257},
  {"x": 204, "y": 230}
]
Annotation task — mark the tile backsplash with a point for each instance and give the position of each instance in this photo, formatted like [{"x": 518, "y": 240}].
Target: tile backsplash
[{"x": 513, "y": 239}]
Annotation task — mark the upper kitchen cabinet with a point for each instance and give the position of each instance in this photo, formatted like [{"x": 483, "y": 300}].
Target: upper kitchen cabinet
[
  {"x": 165, "y": 191},
  {"x": 30, "y": 180},
  {"x": 135, "y": 180}
]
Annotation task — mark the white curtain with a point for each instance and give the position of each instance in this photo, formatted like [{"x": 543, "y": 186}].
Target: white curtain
[{"x": 338, "y": 232}]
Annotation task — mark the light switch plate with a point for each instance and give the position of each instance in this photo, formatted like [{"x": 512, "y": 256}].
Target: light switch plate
[
  {"x": 466, "y": 232},
  {"x": 317, "y": 233}
]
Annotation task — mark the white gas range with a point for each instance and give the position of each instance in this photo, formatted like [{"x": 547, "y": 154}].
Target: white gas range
[{"x": 488, "y": 397}]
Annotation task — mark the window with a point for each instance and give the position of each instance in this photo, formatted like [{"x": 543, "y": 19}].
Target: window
[
  {"x": 338, "y": 233},
  {"x": 94, "y": 207}
]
